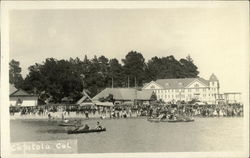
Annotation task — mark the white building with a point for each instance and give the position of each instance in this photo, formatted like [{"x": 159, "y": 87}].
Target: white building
[
  {"x": 19, "y": 97},
  {"x": 172, "y": 90}
]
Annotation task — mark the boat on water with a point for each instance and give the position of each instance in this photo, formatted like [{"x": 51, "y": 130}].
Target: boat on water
[
  {"x": 181, "y": 120},
  {"x": 170, "y": 120},
  {"x": 86, "y": 131},
  {"x": 154, "y": 120},
  {"x": 66, "y": 124}
]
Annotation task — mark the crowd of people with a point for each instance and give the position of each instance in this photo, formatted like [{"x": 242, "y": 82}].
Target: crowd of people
[{"x": 229, "y": 110}]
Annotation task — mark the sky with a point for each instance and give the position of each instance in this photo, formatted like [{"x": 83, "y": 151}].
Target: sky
[{"x": 216, "y": 38}]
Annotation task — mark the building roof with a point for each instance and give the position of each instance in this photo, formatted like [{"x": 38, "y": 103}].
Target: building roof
[
  {"x": 213, "y": 78},
  {"x": 12, "y": 89},
  {"x": 124, "y": 94},
  {"x": 144, "y": 94},
  {"x": 179, "y": 83},
  {"x": 85, "y": 99},
  {"x": 19, "y": 92},
  {"x": 107, "y": 104}
]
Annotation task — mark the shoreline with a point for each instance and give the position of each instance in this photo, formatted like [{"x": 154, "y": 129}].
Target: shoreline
[{"x": 99, "y": 118}]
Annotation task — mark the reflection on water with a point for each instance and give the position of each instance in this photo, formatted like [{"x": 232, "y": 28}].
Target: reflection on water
[{"x": 139, "y": 135}]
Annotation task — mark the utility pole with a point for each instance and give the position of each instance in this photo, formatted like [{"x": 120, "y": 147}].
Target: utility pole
[
  {"x": 218, "y": 91},
  {"x": 135, "y": 101},
  {"x": 135, "y": 82},
  {"x": 128, "y": 81},
  {"x": 112, "y": 82},
  {"x": 83, "y": 76}
]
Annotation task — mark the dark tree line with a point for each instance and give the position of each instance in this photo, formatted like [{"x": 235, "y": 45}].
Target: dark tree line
[{"x": 56, "y": 79}]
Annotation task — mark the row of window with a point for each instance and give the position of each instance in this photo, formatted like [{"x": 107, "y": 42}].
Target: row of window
[
  {"x": 181, "y": 96},
  {"x": 183, "y": 90}
]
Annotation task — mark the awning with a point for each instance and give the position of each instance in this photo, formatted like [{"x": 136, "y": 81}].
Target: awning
[
  {"x": 87, "y": 104},
  {"x": 108, "y": 104}
]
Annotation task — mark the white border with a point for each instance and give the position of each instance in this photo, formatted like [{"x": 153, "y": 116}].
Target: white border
[{"x": 5, "y": 125}]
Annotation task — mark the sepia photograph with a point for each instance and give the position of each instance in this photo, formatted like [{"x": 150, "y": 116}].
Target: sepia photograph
[{"x": 125, "y": 79}]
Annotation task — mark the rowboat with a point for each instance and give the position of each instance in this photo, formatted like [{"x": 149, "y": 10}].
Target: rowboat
[
  {"x": 86, "y": 131},
  {"x": 169, "y": 120},
  {"x": 181, "y": 120},
  {"x": 154, "y": 120},
  {"x": 66, "y": 124}
]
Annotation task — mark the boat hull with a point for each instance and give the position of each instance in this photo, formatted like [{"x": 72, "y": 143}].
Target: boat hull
[
  {"x": 171, "y": 121},
  {"x": 176, "y": 121},
  {"x": 66, "y": 124},
  {"x": 86, "y": 131}
]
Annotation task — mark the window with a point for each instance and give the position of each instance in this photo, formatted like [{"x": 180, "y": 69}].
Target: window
[
  {"x": 213, "y": 83},
  {"x": 197, "y": 90},
  {"x": 189, "y": 90},
  {"x": 182, "y": 90},
  {"x": 196, "y": 86},
  {"x": 152, "y": 87},
  {"x": 167, "y": 85},
  {"x": 180, "y": 84},
  {"x": 204, "y": 90}
]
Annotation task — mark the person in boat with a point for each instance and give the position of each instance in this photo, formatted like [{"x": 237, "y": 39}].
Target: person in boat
[
  {"x": 65, "y": 121},
  {"x": 78, "y": 124},
  {"x": 99, "y": 126},
  {"x": 85, "y": 127}
]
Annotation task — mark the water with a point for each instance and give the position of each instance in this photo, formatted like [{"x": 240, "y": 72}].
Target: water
[{"x": 139, "y": 135}]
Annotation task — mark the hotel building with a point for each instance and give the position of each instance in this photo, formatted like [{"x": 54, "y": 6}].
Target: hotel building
[{"x": 172, "y": 90}]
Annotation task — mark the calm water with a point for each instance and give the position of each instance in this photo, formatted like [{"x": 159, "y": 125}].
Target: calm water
[{"x": 139, "y": 135}]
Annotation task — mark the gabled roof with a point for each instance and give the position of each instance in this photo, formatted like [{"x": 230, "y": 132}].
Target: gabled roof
[
  {"x": 124, "y": 94},
  {"x": 85, "y": 98},
  {"x": 19, "y": 92},
  {"x": 12, "y": 89},
  {"x": 144, "y": 95},
  {"x": 179, "y": 83},
  {"x": 145, "y": 85},
  {"x": 118, "y": 93}
]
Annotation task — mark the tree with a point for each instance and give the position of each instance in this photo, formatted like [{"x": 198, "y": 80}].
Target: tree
[
  {"x": 15, "y": 76},
  {"x": 134, "y": 67},
  {"x": 169, "y": 67},
  {"x": 56, "y": 79},
  {"x": 189, "y": 68},
  {"x": 116, "y": 73}
]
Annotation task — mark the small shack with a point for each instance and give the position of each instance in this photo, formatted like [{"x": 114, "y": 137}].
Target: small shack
[{"x": 19, "y": 97}]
